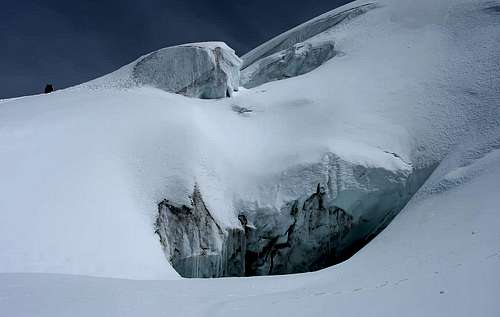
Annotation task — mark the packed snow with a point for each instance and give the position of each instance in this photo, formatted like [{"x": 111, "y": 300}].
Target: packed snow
[{"x": 414, "y": 85}]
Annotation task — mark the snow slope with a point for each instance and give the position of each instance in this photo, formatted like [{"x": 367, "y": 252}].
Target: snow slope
[{"x": 82, "y": 171}]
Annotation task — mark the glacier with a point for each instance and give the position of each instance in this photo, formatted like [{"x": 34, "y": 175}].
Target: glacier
[{"x": 391, "y": 147}]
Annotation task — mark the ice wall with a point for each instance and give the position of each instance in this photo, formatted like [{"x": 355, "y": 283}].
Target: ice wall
[
  {"x": 202, "y": 70},
  {"x": 296, "y": 60},
  {"x": 195, "y": 244},
  {"x": 348, "y": 206}
]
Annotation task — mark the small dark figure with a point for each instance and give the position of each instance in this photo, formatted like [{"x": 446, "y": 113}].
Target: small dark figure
[{"x": 49, "y": 88}]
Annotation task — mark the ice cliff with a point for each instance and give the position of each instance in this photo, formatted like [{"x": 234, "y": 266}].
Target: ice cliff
[
  {"x": 196, "y": 245},
  {"x": 296, "y": 60},
  {"x": 203, "y": 70},
  {"x": 346, "y": 206}
]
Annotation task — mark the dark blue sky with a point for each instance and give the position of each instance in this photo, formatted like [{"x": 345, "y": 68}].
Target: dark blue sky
[{"x": 69, "y": 42}]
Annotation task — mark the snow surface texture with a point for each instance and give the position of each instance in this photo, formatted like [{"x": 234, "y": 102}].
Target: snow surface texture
[{"x": 83, "y": 170}]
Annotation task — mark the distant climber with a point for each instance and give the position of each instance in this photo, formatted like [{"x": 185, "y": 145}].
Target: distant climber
[{"x": 49, "y": 88}]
